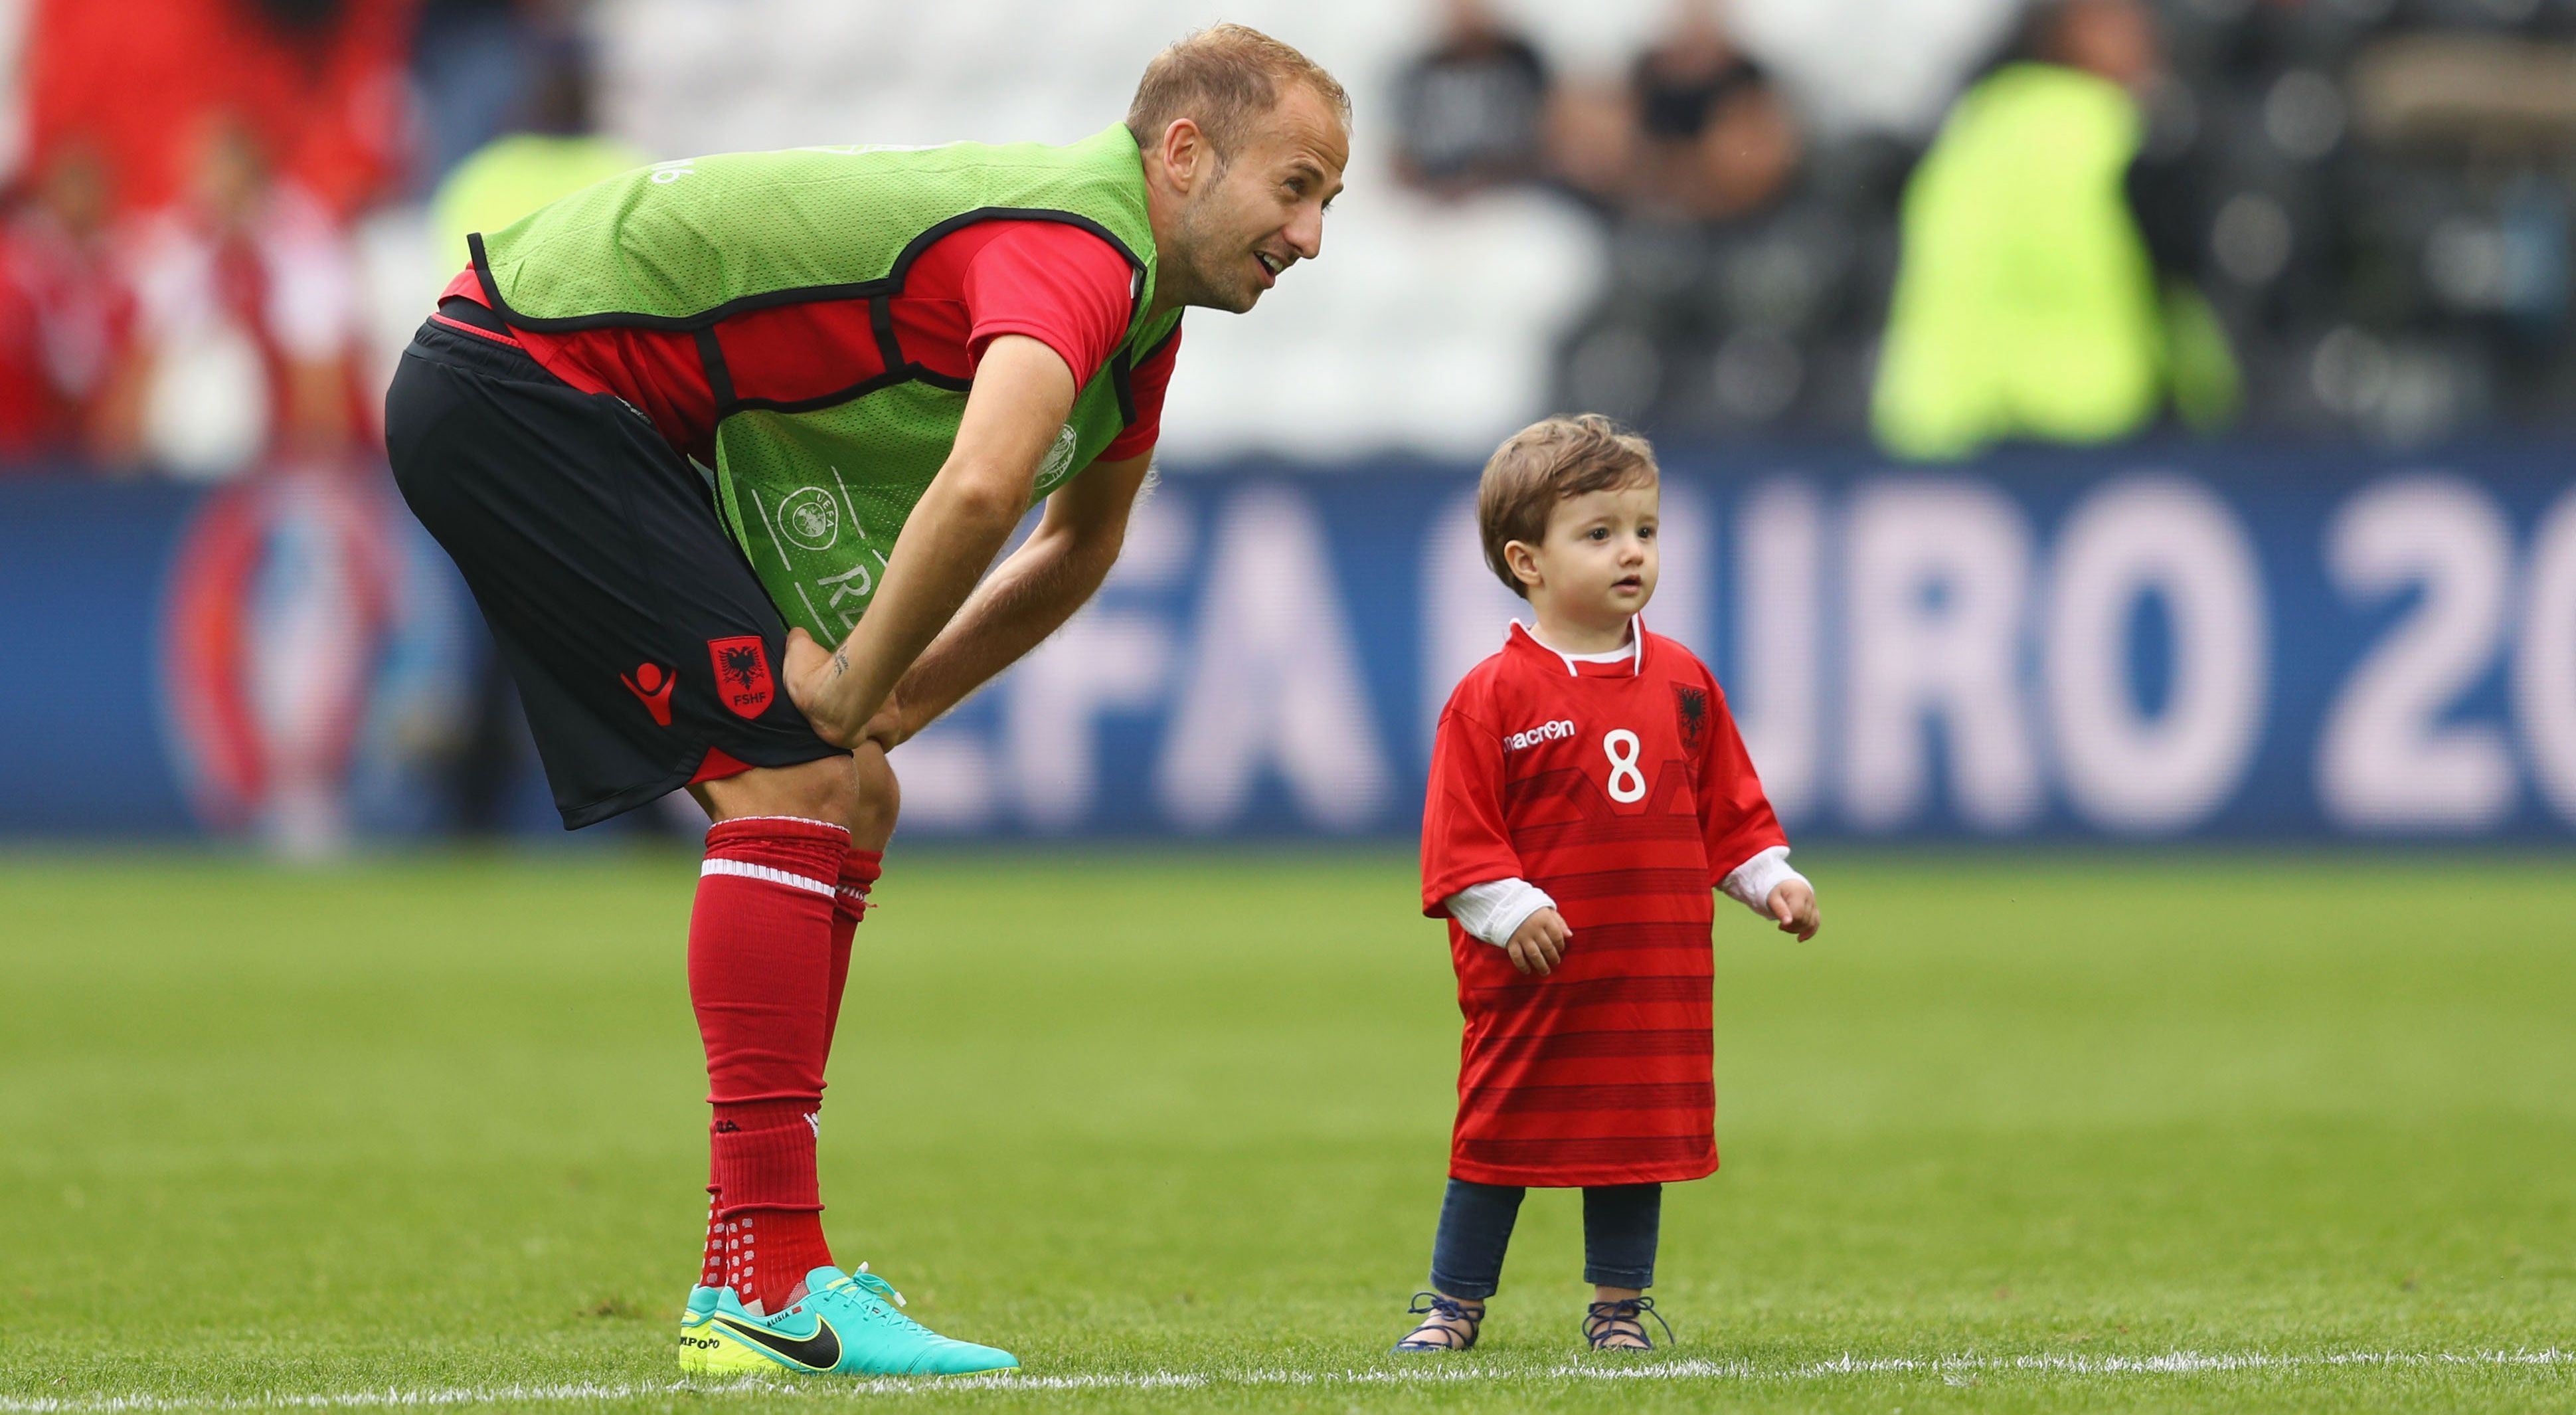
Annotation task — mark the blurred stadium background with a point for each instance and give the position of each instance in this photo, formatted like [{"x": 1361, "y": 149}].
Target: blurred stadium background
[{"x": 2106, "y": 420}]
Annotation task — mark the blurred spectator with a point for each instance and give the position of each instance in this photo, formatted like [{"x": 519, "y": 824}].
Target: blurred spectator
[
  {"x": 1698, "y": 131},
  {"x": 318, "y": 83},
  {"x": 472, "y": 65},
  {"x": 2029, "y": 301},
  {"x": 248, "y": 297},
  {"x": 550, "y": 150},
  {"x": 1469, "y": 111},
  {"x": 1717, "y": 141},
  {"x": 66, "y": 323}
]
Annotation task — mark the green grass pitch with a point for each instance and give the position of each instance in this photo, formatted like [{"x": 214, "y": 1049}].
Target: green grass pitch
[{"x": 2065, "y": 1134}]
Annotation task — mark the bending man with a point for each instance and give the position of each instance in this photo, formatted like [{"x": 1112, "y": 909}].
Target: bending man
[{"x": 686, "y": 428}]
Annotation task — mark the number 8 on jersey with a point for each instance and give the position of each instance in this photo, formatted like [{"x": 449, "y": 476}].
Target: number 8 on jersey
[{"x": 1627, "y": 784}]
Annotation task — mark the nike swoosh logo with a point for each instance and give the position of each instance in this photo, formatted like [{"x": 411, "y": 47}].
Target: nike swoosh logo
[{"x": 819, "y": 1352}]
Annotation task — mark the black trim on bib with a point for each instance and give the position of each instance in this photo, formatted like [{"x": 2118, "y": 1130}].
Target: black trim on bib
[
  {"x": 820, "y": 401},
  {"x": 1122, "y": 381},
  {"x": 1122, "y": 374},
  {"x": 719, "y": 378},
  {"x": 482, "y": 264},
  {"x": 881, "y": 321}
]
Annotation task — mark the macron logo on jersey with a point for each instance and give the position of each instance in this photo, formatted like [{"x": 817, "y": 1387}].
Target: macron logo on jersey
[{"x": 1544, "y": 732}]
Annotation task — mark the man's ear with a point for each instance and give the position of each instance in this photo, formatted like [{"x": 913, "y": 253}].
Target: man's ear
[
  {"x": 1185, "y": 151},
  {"x": 1523, "y": 560}
]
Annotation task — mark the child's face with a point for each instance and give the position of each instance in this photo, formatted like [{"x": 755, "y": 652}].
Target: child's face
[{"x": 1596, "y": 566}]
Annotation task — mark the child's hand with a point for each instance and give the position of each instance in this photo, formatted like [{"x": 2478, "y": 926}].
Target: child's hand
[
  {"x": 1794, "y": 905},
  {"x": 1539, "y": 942}
]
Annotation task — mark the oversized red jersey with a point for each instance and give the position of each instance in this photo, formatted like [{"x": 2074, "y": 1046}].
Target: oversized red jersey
[
  {"x": 1623, "y": 790},
  {"x": 1056, "y": 283}
]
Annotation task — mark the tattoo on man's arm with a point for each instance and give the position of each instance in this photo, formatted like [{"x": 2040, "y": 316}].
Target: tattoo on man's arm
[{"x": 840, "y": 662}]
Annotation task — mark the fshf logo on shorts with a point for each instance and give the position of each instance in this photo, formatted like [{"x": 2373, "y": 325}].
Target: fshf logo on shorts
[{"x": 742, "y": 674}]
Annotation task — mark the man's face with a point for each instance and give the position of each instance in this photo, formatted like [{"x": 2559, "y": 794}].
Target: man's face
[{"x": 1264, "y": 210}]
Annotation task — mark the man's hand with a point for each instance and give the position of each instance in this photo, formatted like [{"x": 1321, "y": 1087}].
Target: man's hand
[
  {"x": 809, "y": 673},
  {"x": 1538, "y": 945},
  {"x": 810, "y": 666},
  {"x": 1793, "y": 903}
]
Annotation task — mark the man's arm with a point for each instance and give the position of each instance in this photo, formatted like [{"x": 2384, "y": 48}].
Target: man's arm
[
  {"x": 1029, "y": 597},
  {"x": 1022, "y": 392}
]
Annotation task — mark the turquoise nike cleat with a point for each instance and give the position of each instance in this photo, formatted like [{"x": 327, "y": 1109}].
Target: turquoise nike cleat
[
  {"x": 696, "y": 1342},
  {"x": 847, "y": 1325}
]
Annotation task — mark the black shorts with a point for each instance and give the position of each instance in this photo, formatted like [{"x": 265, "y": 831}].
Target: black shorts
[{"x": 645, "y": 651}]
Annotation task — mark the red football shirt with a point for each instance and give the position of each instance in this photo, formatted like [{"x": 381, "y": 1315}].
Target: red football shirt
[
  {"x": 1056, "y": 283},
  {"x": 1623, "y": 790}
]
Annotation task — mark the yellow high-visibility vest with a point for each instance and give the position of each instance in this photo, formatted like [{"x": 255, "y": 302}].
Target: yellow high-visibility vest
[{"x": 2026, "y": 305}]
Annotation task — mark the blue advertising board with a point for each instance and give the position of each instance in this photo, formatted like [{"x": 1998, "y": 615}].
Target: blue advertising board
[{"x": 2185, "y": 643}]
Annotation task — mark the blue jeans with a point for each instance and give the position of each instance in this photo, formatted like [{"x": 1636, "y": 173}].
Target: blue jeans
[{"x": 1620, "y": 1225}]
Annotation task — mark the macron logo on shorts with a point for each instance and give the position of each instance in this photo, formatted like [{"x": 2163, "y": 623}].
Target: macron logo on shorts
[
  {"x": 1545, "y": 732},
  {"x": 651, "y": 686}
]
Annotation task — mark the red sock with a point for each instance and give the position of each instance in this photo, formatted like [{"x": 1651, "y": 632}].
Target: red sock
[
  {"x": 792, "y": 1240},
  {"x": 859, "y": 872},
  {"x": 760, "y": 962}
]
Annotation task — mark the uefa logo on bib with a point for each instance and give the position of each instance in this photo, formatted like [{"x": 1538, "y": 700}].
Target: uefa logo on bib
[{"x": 810, "y": 518}]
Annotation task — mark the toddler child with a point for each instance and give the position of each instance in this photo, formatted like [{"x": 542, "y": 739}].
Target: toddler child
[{"x": 1588, "y": 789}]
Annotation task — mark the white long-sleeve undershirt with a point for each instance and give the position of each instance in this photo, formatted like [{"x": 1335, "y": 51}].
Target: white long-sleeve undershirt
[
  {"x": 1750, "y": 884},
  {"x": 1495, "y": 910}
]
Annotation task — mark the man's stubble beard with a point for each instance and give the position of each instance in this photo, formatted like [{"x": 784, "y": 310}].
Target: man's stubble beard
[{"x": 1192, "y": 245}]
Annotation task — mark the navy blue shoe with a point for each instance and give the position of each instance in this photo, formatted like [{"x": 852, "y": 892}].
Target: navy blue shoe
[
  {"x": 1615, "y": 1326},
  {"x": 1436, "y": 1333}
]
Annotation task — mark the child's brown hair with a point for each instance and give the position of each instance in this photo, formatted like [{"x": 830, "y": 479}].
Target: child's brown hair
[{"x": 1545, "y": 463}]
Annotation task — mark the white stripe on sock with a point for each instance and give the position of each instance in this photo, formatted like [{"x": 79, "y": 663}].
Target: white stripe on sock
[
  {"x": 748, "y": 870},
  {"x": 800, "y": 820}
]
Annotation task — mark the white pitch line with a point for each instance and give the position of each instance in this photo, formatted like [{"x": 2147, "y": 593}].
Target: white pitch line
[{"x": 2174, "y": 1363}]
